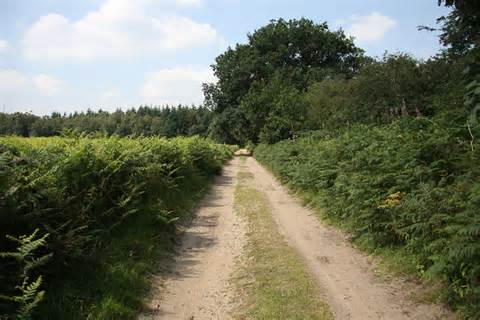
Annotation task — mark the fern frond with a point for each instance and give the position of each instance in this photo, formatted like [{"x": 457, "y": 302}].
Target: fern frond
[{"x": 37, "y": 262}]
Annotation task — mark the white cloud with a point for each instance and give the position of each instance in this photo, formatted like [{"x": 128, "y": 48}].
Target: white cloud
[
  {"x": 369, "y": 28},
  {"x": 109, "y": 95},
  {"x": 118, "y": 29},
  {"x": 181, "y": 32},
  {"x": 4, "y": 45},
  {"x": 189, "y": 3},
  {"x": 176, "y": 85},
  {"x": 112, "y": 99},
  {"x": 18, "y": 83},
  {"x": 48, "y": 85},
  {"x": 12, "y": 81}
]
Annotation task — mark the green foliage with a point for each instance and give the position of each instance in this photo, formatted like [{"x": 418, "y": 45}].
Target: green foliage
[
  {"x": 330, "y": 104},
  {"x": 288, "y": 54},
  {"x": 26, "y": 296},
  {"x": 287, "y": 117},
  {"x": 17, "y": 123},
  {"x": 258, "y": 103},
  {"x": 460, "y": 29},
  {"x": 460, "y": 34},
  {"x": 411, "y": 185},
  {"x": 82, "y": 190},
  {"x": 472, "y": 95},
  {"x": 230, "y": 127},
  {"x": 277, "y": 85},
  {"x": 386, "y": 90},
  {"x": 273, "y": 111},
  {"x": 144, "y": 121}
]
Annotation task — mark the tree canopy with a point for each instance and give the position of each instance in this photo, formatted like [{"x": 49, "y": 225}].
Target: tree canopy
[
  {"x": 144, "y": 121},
  {"x": 296, "y": 53},
  {"x": 460, "y": 29}
]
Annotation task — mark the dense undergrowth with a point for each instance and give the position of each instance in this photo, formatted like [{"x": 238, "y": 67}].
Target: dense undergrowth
[
  {"x": 410, "y": 186},
  {"x": 103, "y": 210}
]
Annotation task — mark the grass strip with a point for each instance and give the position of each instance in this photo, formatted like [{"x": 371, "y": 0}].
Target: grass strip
[{"x": 272, "y": 282}]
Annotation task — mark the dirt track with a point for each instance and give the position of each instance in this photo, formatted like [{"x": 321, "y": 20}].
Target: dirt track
[{"x": 199, "y": 285}]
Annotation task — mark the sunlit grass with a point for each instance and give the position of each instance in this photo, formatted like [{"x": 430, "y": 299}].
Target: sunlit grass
[{"x": 272, "y": 282}]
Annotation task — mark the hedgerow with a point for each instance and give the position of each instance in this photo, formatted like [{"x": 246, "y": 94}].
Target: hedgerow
[
  {"x": 80, "y": 191},
  {"x": 413, "y": 184}
]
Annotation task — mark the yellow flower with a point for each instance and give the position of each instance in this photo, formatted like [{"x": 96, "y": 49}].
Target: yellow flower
[{"x": 391, "y": 200}]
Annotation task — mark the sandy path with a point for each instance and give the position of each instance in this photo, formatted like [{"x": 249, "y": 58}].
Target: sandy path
[
  {"x": 344, "y": 274},
  {"x": 199, "y": 286}
]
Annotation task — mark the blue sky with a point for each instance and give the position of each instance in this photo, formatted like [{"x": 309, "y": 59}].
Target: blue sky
[{"x": 65, "y": 55}]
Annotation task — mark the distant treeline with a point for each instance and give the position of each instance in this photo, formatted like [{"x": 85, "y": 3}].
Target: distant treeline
[{"x": 145, "y": 121}]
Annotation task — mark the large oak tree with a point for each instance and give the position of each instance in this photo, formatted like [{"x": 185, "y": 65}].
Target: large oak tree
[{"x": 295, "y": 53}]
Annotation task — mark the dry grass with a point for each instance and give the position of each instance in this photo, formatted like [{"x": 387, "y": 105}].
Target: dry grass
[{"x": 272, "y": 282}]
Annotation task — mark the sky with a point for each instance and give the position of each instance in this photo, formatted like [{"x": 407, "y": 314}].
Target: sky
[{"x": 72, "y": 55}]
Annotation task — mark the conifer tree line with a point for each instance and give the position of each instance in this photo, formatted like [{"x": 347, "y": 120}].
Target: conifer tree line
[{"x": 164, "y": 121}]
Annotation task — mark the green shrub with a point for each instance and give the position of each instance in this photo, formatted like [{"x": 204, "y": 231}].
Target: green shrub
[{"x": 81, "y": 190}]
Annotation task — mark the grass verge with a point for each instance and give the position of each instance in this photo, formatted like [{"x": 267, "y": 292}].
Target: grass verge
[{"x": 272, "y": 281}]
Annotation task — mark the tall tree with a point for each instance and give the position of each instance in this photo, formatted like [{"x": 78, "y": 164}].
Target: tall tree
[
  {"x": 299, "y": 52},
  {"x": 460, "y": 29},
  {"x": 461, "y": 34}
]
